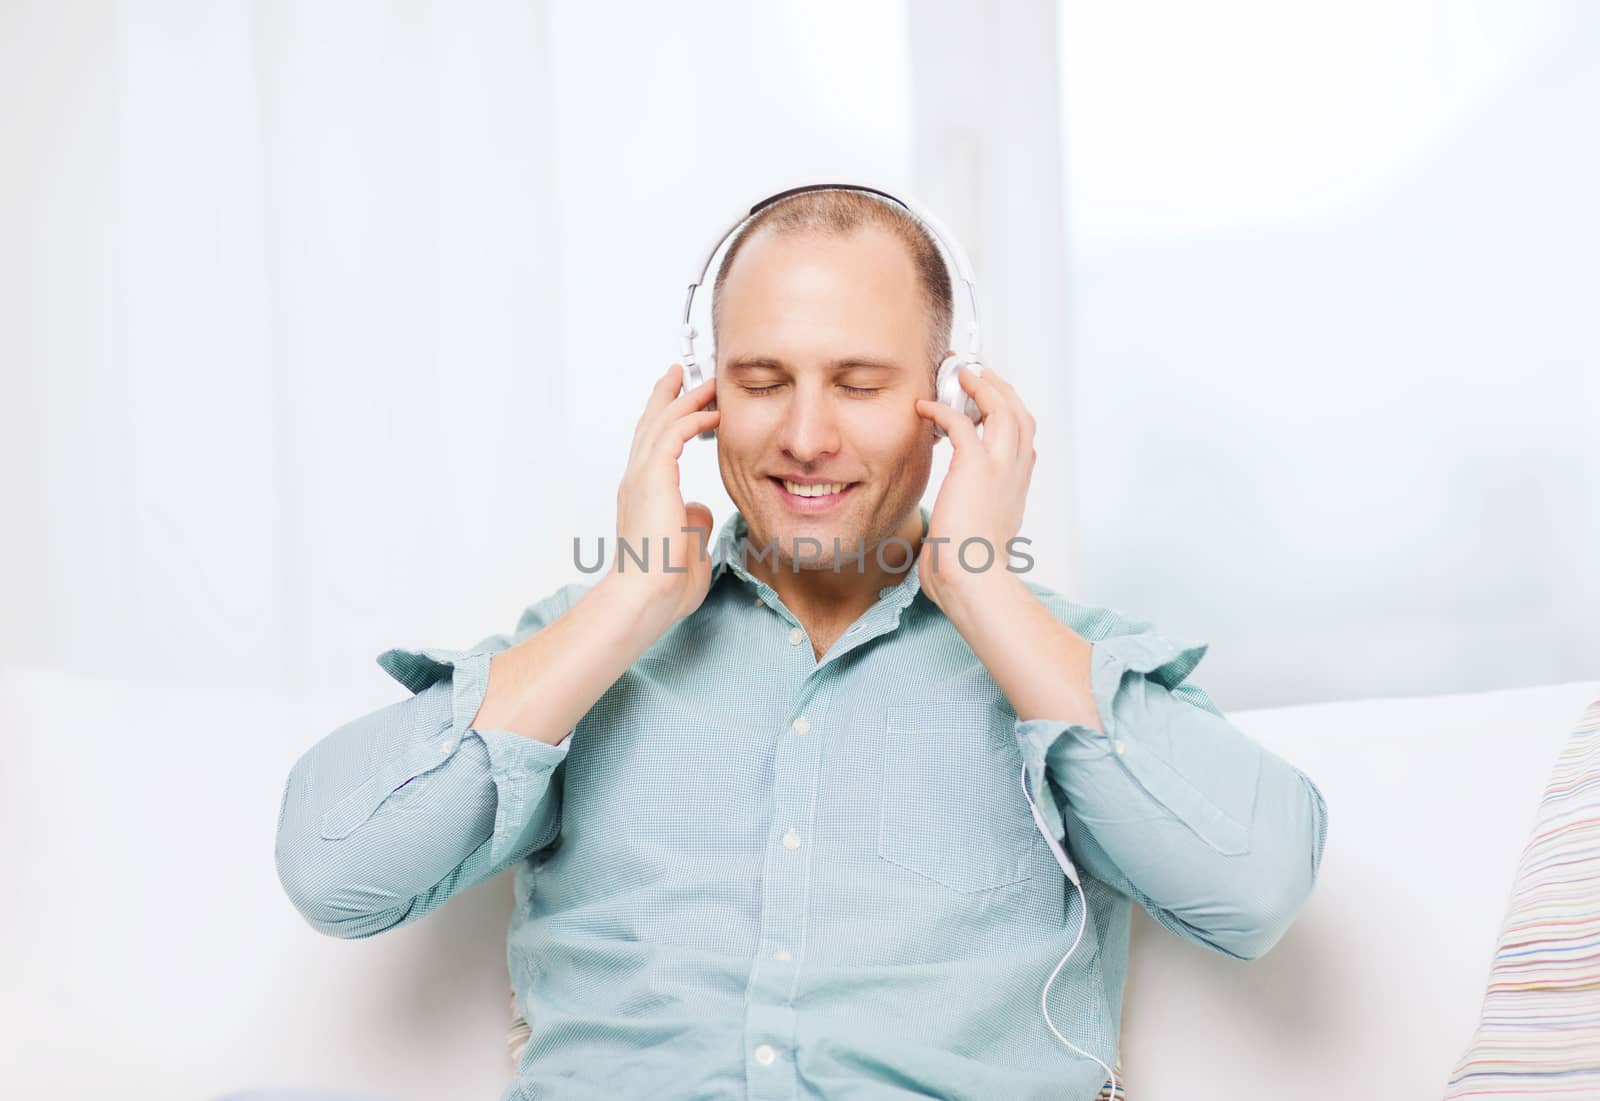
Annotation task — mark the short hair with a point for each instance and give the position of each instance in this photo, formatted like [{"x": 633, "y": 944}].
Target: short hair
[{"x": 839, "y": 213}]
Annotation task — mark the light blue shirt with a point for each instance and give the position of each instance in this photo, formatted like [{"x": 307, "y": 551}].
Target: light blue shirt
[{"x": 752, "y": 873}]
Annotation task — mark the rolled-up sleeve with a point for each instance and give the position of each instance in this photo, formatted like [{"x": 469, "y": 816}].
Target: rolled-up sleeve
[
  {"x": 519, "y": 767},
  {"x": 1216, "y": 836},
  {"x": 387, "y": 817}
]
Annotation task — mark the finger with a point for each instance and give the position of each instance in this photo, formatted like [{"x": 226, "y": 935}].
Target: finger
[
  {"x": 666, "y": 402},
  {"x": 686, "y": 402},
  {"x": 698, "y": 518},
  {"x": 665, "y": 449},
  {"x": 1026, "y": 423},
  {"x": 667, "y": 385},
  {"x": 999, "y": 420},
  {"x": 660, "y": 395},
  {"x": 687, "y": 427},
  {"x": 959, "y": 427},
  {"x": 692, "y": 398},
  {"x": 655, "y": 418}
]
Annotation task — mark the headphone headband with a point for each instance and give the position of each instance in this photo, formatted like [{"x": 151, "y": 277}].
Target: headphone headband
[{"x": 955, "y": 257}]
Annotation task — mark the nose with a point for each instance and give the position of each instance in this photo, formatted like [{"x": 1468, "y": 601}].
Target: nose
[{"x": 810, "y": 430}]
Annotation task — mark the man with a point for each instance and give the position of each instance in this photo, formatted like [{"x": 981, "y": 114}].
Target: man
[{"x": 765, "y": 808}]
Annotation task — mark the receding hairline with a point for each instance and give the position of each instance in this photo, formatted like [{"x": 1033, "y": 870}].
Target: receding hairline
[{"x": 840, "y": 213}]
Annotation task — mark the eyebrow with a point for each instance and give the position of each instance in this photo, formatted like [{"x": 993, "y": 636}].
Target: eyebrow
[{"x": 844, "y": 363}]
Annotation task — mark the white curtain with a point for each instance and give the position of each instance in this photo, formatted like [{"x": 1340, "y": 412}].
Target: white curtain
[
  {"x": 328, "y": 324},
  {"x": 289, "y": 307}
]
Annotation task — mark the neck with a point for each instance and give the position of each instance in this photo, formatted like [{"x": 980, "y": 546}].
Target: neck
[{"x": 824, "y": 597}]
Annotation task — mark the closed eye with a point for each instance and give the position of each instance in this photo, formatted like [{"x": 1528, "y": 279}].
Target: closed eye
[{"x": 857, "y": 390}]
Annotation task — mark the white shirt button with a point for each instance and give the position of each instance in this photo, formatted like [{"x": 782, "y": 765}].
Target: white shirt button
[
  {"x": 782, "y": 954},
  {"x": 791, "y": 840},
  {"x": 796, "y": 636},
  {"x": 758, "y": 600},
  {"x": 444, "y": 747},
  {"x": 765, "y": 1055},
  {"x": 801, "y": 725},
  {"x": 1116, "y": 744}
]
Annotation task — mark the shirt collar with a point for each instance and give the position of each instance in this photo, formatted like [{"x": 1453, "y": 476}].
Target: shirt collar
[{"x": 725, "y": 555}]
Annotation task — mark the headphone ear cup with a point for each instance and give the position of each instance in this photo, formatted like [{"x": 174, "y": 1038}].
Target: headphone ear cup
[
  {"x": 950, "y": 393},
  {"x": 943, "y": 379},
  {"x": 711, "y": 372}
]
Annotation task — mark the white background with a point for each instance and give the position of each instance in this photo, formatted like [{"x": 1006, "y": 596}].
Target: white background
[{"x": 326, "y": 325}]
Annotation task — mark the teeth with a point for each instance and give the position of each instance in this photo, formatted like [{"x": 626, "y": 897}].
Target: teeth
[{"x": 813, "y": 491}]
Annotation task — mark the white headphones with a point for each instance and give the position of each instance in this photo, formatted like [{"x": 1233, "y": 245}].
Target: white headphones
[{"x": 947, "y": 384}]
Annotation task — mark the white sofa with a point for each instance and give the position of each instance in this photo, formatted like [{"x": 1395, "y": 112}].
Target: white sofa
[
  {"x": 154, "y": 956},
  {"x": 1374, "y": 993}
]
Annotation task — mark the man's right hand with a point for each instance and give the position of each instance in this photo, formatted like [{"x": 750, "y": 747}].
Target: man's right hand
[{"x": 650, "y": 508}]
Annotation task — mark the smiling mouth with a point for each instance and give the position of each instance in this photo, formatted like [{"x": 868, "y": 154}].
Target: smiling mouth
[
  {"x": 817, "y": 495},
  {"x": 821, "y": 489}
]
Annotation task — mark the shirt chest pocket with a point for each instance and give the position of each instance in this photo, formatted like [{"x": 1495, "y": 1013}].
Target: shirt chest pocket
[{"x": 952, "y": 806}]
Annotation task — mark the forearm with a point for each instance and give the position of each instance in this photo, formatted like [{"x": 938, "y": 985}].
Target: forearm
[
  {"x": 542, "y": 686},
  {"x": 1039, "y": 663}
]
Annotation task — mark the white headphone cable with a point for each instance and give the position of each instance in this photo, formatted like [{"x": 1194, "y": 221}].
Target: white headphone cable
[{"x": 1072, "y": 874}]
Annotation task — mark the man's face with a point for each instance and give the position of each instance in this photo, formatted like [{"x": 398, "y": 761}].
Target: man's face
[{"x": 822, "y": 352}]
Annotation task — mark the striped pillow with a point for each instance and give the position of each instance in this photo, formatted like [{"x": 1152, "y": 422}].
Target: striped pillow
[{"x": 1539, "y": 1035}]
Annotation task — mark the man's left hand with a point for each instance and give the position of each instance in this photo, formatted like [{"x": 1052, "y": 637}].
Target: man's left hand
[{"x": 985, "y": 490}]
